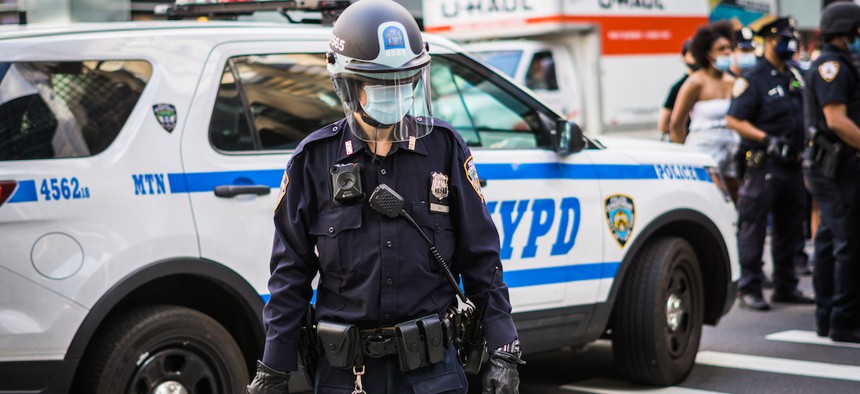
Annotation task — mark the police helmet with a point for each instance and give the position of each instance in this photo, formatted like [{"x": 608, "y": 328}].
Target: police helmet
[
  {"x": 379, "y": 66},
  {"x": 840, "y": 18}
]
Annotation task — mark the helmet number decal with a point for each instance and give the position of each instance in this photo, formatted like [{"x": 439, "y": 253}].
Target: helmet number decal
[{"x": 336, "y": 43}]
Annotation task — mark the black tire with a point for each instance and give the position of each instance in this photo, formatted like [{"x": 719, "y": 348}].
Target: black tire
[
  {"x": 652, "y": 343},
  {"x": 160, "y": 345}
]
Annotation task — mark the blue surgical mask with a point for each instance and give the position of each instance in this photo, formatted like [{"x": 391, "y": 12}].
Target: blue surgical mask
[
  {"x": 854, "y": 46},
  {"x": 786, "y": 49},
  {"x": 746, "y": 60},
  {"x": 388, "y": 104},
  {"x": 723, "y": 63}
]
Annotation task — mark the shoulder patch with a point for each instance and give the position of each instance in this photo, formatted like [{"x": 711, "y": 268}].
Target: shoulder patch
[
  {"x": 472, "y": 175},
  {"x": 284, "y": 182},
  {"x": 740, "y": 86},
  {"x": 828, "y": 70}
]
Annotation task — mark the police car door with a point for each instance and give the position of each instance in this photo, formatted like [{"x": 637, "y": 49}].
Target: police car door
[
  {"x": 543, "y": 205},
  {"x": 256, "y": 101}
]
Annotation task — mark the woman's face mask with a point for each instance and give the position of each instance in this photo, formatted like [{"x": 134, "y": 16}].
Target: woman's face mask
[
  {"x": 723, "y": 62},
  {"x": 746, "y": 60},
  {"x": 388, "y": 104}
]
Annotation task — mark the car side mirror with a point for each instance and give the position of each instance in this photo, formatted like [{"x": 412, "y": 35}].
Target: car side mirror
[{"x": 568, "y": 137}]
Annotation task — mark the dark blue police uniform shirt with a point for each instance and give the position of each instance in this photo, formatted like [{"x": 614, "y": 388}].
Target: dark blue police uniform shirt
[
  {"x": 772, "y": 101},
  {"x": 832, "y": 79},
  {"x": 375, "y": 270}
]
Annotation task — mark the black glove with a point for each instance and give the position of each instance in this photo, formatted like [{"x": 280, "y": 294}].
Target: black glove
[
  {"x": 269, "y": 381},
  {"x": 777, "y": 146},
  {"x": 501, "y": 376}
]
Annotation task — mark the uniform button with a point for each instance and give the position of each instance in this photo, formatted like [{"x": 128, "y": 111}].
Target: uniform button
[
  {"x": 387, "y": 316},
  {"x": 389, "y": 282},
  {"x": 438, "y": 227},
  {"x": 331, "y": 230},
  {"x": 382, "y": 171},
  {"x": 388, "y": 244}
]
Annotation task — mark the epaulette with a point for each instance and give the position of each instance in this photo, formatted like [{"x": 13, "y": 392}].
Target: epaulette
[{"x": 321, "y": 134}]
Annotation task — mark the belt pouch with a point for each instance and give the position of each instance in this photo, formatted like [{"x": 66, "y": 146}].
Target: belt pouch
[
  {"x": 340, "y": 341},
  {"x": 409, "y": 343},
  {"x": 433, "y": 338}
]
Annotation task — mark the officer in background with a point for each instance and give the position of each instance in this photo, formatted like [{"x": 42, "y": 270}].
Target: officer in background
[
  {"x": 376, "y": 272},
  {"x": 833, "y": 110},
  {"x": 743, "y": 57},
  {"x": 766, "y": 110}
]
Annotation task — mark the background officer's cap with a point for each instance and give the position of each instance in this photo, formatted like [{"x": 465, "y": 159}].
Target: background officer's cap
[
  {"x": 783, "y": 27},
  {"x": 744, "y": 38}
]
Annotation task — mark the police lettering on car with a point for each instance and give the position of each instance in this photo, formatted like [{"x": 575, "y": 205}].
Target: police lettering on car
[
  {"x": 766, "y": 110},
  {"x": 382, "y": 293},
  {"x": 833, "y": 106}
]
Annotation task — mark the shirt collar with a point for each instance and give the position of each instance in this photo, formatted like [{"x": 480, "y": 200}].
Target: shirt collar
[
  {"x": 835, "y": 49},
  {"x": 350, "y": 144}
]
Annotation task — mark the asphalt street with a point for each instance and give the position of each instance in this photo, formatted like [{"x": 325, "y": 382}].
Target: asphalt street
[{"x": 747, "y": 352}]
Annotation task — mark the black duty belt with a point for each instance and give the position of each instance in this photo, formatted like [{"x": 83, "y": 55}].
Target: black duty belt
[{"x": 379, "y": 342}]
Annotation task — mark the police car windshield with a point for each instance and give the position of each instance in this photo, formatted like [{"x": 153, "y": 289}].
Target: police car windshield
[{"x": 504, "y": 61}]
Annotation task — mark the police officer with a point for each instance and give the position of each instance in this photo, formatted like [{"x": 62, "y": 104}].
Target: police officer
[
  {"x": 376, "y": 273},
  {"x": 833, "y": 108},
  {"x": 766, "y": 110},
  {"x": 743, "y": 56}
]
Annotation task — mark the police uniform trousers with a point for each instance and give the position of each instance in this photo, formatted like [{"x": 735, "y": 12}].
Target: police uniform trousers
[
  {"x": 837, "y": 275},
  {"x": 383, "y": 376},
  {"x": 772, "y": 188}
]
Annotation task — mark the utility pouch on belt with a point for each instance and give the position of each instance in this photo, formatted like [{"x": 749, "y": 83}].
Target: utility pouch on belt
[
  {"x": 420, "y": 342},
  {"x": 340, "y": 342},
  {"x": 828, "y": 155}
]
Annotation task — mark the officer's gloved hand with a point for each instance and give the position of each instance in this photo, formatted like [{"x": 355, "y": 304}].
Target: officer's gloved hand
[
  {"x": 501, "y": 376},
  {"x": 777, "y": 146},
  {"x": 269, "y": 381}
]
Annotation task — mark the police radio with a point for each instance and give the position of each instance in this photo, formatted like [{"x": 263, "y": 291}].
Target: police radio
[{"x": 346, "y": 182}]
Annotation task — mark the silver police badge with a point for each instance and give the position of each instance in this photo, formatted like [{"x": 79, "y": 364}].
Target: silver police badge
[
  {"x": 166, "y": 115},
  {"x": 620, "y": 216},
  {"x": 439, "y": 192}
]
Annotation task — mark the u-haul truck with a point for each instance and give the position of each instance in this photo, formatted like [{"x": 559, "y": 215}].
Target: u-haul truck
[{"x": 606, "y": 64}]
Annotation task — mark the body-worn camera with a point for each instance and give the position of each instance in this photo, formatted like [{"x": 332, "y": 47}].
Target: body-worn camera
[{"x": 346, "y": 182}]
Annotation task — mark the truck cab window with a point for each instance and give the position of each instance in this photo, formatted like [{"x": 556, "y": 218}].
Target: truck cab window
[
  {"x": 541, "y": 73},
  {"x": 484, "y": 114}
]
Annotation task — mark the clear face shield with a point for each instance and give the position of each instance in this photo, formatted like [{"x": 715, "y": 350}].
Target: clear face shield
[{"x": 392, "y": 106}]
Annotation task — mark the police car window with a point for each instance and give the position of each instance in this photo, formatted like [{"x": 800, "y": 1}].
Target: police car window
[
  {"x": 504, "y": 61},
  {"x": 66, "y": 109},
  {"x": 480, "y": 110},
  {"x": 541, "y": 73},
  {"x": 271, "y": 102}
]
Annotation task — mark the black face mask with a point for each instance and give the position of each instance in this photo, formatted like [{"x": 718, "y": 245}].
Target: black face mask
[{"x": 693, "y": 66}]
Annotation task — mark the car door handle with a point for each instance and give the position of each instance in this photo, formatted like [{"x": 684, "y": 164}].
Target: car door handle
[
  {"x": 228, "y": 191},
  {"x": 483, "y": 182}
]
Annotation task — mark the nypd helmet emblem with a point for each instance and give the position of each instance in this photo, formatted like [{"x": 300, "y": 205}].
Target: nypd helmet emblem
[
  {"x": 393, "y": 37},
  {"x": 621, "y": 217},
  {"x": 166, "y": 115}
]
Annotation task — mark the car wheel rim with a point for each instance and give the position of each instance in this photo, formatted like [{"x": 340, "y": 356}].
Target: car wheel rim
[
  {"x": 679, "y": 301},
  {"x": 177, "y": 371}
]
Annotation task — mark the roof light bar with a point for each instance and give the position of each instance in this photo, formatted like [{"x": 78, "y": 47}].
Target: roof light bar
[{"x": 330, "y": 9}]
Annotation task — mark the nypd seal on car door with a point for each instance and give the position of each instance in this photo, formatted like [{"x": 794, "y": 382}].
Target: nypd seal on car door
[{"x": 620, "y": 216}]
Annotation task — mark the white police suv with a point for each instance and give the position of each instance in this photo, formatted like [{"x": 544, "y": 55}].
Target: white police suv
[{"x": 140, "y": 163}]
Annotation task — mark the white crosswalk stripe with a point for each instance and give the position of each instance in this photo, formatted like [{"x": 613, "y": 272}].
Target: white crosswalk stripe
[
  {"x": 809, "y": 337},
  {"x": 779, "y": 365},
  {"x": 606, "y": 386}
]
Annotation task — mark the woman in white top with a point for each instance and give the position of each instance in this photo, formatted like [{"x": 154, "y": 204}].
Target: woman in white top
[{"x": 704, "y": 99}]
